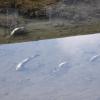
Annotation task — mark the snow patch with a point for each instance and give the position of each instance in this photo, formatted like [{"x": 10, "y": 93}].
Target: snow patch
[{"x": 16, "y": 29}]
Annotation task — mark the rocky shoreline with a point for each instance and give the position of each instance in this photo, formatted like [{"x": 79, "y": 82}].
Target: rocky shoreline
[{"x": 57, "y": 19}]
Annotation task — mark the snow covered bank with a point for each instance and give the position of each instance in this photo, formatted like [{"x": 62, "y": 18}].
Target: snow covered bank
[{"x": 56, "y": 69}]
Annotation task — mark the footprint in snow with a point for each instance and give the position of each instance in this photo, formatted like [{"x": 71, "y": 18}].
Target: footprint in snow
[
  {"x": 21, "y": 64},
  {"x": 94, "y": 58},
  {"x": 62, "y": 68}
]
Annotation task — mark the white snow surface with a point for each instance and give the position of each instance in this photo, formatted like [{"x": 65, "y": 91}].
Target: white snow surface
[{"x": 56, "y": 69}]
